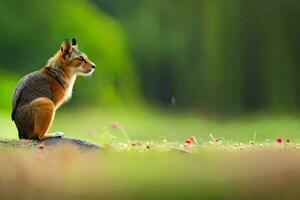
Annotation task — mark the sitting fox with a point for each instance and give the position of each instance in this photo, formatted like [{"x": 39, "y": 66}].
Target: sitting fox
[{"x": 40, "y": 93}]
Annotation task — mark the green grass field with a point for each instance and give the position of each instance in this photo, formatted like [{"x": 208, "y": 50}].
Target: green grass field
[
  {"x": 231, "y": 159},
  {"x": 156, "y": 125}
]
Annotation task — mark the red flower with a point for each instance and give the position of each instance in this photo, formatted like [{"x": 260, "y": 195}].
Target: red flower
[
  {"x": 188, "y": 142},
  {"x": 279, "y": 140},
  {"x": 192, "y": 139},
  {"x": 41, "y": 146}
]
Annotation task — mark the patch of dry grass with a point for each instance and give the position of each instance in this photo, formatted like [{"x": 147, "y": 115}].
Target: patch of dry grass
[{"x": 151, "y": 170}]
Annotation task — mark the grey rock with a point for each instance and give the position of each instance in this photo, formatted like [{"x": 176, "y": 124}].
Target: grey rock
[{"x": 82, "y": 144}]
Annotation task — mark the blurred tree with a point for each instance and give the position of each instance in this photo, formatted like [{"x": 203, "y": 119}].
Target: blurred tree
[
  {"x": 224, "y": 56},
  {"x": 7, "y": 85},
  {"x": 279, "y": 61}
]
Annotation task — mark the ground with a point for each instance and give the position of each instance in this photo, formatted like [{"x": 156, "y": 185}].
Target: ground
[
  {"x": 150, "y": 155},
  {"x": 164, "y": 170}
]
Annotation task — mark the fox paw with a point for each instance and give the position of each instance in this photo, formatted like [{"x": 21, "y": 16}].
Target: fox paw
[{"x": 58, "y": 134}]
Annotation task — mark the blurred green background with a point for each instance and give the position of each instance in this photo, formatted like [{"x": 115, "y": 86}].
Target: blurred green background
[{"x": 167, "y": 68}]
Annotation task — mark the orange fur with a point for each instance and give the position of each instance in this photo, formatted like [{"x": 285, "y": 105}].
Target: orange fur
[{"x": 43, "y": 117}]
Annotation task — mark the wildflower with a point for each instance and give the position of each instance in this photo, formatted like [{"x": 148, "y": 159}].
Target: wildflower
[
  {"x": 123, "y": 144},
  {"x": 216, "y": 140},
  {"x": 41, "y": 146},
  {"x": 136, "y": 143},
  {"x": 279, "y": 140},
  {"x": 25, "y": 141},
  {"x": 188, "y": 142},
  {"x": 149, "y": 145},
  {"x": 193, "y": 138},
  {"x": 116, "y": 124}
]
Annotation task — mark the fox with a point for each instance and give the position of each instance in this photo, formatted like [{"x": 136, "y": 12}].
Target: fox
[{"x": 39, "y": 94}]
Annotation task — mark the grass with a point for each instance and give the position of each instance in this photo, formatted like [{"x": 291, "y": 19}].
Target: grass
[
  {"x": 153, "y": 124},
  {"x": 145, "y": 157}
]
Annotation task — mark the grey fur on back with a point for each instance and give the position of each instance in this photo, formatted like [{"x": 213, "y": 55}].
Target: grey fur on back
[{"x": 30, "y": 87}]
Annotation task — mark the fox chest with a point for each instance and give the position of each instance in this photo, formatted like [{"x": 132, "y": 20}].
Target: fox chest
[
  {"x": 69, "y": 89},
  {"x": 64, "y": 94}
]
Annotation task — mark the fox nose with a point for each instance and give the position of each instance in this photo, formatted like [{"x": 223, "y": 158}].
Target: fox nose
[{"x": 93, "y": 66}]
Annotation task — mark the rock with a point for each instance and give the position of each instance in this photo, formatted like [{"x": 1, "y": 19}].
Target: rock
[{"x": 82, "y": 144}]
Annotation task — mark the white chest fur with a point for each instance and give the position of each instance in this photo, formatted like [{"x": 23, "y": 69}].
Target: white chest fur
[
  {"x": 68, "y": 93},
  {"x": 70, "y": 88}
]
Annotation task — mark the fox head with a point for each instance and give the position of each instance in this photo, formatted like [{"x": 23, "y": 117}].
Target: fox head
[{"x": 74, "y": 61}]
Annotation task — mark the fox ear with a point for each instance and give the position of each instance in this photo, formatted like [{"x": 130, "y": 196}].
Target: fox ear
[
  {"x": 65, "y": 47},
  {"x": 74, "y": 43}
]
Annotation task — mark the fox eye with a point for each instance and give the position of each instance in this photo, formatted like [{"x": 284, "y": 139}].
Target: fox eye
[{"x": 80, "y": 58}]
